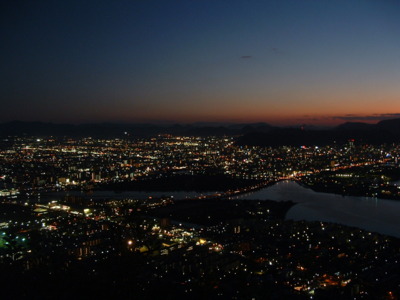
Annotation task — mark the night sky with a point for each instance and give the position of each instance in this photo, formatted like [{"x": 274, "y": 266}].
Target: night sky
[{"x": 282, "y": 62}]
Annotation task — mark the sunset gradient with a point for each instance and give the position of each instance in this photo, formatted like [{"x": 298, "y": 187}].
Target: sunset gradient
[{"x": 281, "y": 62}]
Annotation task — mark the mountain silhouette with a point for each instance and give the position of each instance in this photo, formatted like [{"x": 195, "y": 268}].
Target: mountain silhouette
[{"x": 252, "y": 134}]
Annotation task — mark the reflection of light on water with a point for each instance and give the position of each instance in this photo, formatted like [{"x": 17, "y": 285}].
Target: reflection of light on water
[
  {"x": 371, "y": 201},
  {"x": 368, "y": 213}
]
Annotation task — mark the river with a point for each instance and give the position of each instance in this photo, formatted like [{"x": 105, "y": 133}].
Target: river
[
  {"x": 140, "y": 195},
  {"x": 372, "y": 214}
]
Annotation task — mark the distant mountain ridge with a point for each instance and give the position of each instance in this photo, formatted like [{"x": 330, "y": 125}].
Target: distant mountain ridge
[
  {"x": 257, "y": 134},
  {"x": 354, "y": 126},
  {"x": 387, "y": 131},
  {"x": 104, "y": 130}
]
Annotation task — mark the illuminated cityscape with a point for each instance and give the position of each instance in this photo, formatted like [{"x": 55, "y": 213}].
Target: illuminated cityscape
[{"x": 66, "y": 208}]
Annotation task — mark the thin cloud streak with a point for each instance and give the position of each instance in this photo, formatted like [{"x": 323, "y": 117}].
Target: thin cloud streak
[
  {"x": 277, "y": 51},
  {"x": 373, "y": 117}
]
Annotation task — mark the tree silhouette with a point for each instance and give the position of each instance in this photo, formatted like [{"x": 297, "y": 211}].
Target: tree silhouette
[{"x": 12, "y": 245}]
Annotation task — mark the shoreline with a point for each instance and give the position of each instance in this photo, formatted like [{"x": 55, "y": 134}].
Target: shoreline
[{"x": 320, "y": 189}]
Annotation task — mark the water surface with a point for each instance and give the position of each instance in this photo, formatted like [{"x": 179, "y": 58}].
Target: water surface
[
  {"x": 140, "y": 195},
  {"x": 372, "y": 214}
]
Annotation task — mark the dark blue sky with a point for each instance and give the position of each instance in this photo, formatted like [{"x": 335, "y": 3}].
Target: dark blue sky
[{"x": 133, "y": 61}]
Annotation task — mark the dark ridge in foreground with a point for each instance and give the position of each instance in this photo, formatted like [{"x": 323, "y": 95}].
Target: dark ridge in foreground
[{"x": 212, "y": 212}]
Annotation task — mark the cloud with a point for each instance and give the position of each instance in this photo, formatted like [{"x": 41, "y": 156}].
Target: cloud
[
  {"x": 277, "y": 51},
  {"x": 373, "y": 117},
  {"x": 246, "y": 56}
]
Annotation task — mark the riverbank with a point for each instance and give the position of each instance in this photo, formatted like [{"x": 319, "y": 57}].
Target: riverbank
[
  {"x": 390, "y": 192},
  {"x": 372, "y": 214}
]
